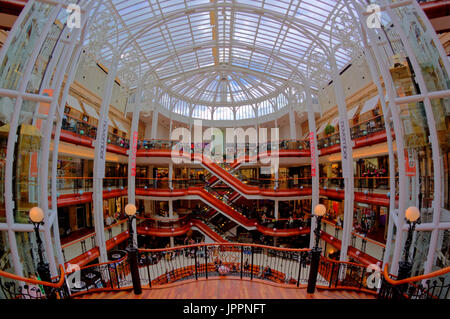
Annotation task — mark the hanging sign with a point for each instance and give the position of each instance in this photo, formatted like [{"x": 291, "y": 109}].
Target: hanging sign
[
  {"x": 102, "y": 138},
  {"x": 133, "y": 153},
  {"x": 313, "y": 154},
  {"x": 410, "y": 164}
]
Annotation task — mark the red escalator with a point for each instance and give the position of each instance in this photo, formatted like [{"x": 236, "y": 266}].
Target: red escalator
[
  {"x": 244, "y": 189},
  {"x": 208, "y": 231},
  {"x": 220, "y": 206},
  {"x": 238, "y": 218}
]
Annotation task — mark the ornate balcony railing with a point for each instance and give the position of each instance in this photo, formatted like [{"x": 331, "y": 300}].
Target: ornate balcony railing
[
  {"x": 16, "y": 287},
  {"x": 82, "y": 128},
  {"x": 362, "y": 129},
  {"x": 73, "y": 184},
  {"x": 435, "y": 285}
]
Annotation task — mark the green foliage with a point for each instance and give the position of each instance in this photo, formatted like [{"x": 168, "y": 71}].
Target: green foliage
[{"x": 329, "y": 129}]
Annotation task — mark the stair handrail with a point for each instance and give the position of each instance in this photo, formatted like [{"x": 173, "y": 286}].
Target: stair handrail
[
  {"x": 224, "y": 244},
  {"x": 409, "y": 280},
  {"x": 58, "y": 284}
]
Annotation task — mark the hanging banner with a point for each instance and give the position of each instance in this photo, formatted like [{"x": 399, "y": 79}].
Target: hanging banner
[
  {"x": 313, "y": 154},
  {"x": 410, "y": 164},
  {"x": 133, "y": 153},
  {"x": 344, "y": 150},
  {"x": 102, "y": 138}
]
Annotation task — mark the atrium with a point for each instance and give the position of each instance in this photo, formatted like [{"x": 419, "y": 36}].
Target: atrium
[{"x": 168, "y": 149}]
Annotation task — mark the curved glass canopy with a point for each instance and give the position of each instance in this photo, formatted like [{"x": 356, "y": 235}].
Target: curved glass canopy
[{"x": 223, "y": 53}]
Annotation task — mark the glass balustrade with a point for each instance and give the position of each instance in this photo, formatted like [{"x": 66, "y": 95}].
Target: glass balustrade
[
  {"x": 84, "y": 244},
  {"x": 359, "y": 241},
  {"x": 82, "y": 128},
  {"x": 359, "y": 130},
  {"x": 78, "y": 185}
]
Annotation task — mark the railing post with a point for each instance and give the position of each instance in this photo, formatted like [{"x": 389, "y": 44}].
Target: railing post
[
  {"x": 134, "y": 268},
  {"x": 195, "y": 261},
  {"x": 331, "y": 274},
  {"x": 300, "y": 259},
  {"x": 117, "y": 275},
  {"x": 337, "y": 275},
  {"x": 242, "y": 259},
  {"x": 313, "y": 269},
  {"x": 110, "y": 277},
  {"x": 251, "y": 268},
  {"x": 362, "y": 278},
  {"x": 148, "y": 274},
  {"x": 206, "y": 262}
]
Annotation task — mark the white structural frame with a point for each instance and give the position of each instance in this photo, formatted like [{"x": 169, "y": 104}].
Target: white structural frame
[{"x": 67, "y": 48}]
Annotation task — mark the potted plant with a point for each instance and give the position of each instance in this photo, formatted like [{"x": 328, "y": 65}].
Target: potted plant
[{"x": 329, "y": 129}]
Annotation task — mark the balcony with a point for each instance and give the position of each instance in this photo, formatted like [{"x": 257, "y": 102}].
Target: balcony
[
  {"x": 82, "y": 133},
  {"x": 364, "y": 134}
]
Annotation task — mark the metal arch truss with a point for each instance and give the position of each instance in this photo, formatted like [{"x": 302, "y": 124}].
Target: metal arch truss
[
  {"x": 176, "y": 27},
  {"x": 294, "y": 73}
]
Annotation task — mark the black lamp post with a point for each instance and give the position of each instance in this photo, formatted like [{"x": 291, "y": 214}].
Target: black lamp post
[
  {"x": 412, "y": 215},
  {"x": 36, "y": 215},
  {"x": 316, "y": 251},
  {"x": 130, "y": 211}
]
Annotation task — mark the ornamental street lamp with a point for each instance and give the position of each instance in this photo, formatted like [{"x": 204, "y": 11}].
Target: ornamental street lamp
[
  {"x": 36, "y": 215},
  {"x": 130, "y": 211},
  {"x": 412, "y": 216},
  {"x": 316, "y": 251}
]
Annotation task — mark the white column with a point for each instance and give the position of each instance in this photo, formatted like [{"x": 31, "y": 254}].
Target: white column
[
  {"x": 14, "y": 123},
  {"x": 387, "y": 125},
  {"x": 172, "y": 243},
  {"x": 399, "y": 136},
  {"x": 154, "y": 123},
  {"x": 346, "y": 158},
  {"x": 276, "y": 205},
  {"x": 43, "y": 171},
  {"x": 170, "y": 208},
  {"x": 314, "y": 160},
  {"x": 437, "y": 169},
  {"x": 292, "y": 123},
  {"x": 99, "y": 161},
  {"x": 132, "y": 156},
  {"x": 170, "y": 175}
]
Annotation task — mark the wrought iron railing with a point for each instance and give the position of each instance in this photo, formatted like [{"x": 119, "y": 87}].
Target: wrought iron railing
[
  {"x": 362, "y": 129},
  {"x": 16, "y": 287},
  {"x": 83, "y": 128},
  {"x": 435, "y": 285},
  {"x": 338, "y": 274},
  {"x": 163, "y": 266},
  {"x": 103, "y": 276}
]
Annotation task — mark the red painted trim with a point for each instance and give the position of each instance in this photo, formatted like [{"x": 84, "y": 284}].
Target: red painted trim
[
  {"x": 94, "y": 253},
  {"x": 73, "y": 138},
  {"x": 436, "y": 9},
  {"x": 86, "y": 197},
  {"x": 362, "y": 257}
]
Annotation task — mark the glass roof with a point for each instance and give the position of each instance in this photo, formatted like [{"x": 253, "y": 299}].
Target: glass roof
[{"x": 221, "y": 52}]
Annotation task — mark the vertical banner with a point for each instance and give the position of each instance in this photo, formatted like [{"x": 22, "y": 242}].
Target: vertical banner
[
  {"x": 313, "y": 154},
  {"x": 102, "y": 138},
  {"x": 133, "y": 153},
  {"x": 410, "y": 164}
]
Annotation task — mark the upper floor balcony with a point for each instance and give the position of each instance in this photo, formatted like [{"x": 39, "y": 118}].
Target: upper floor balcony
[{"x": 82, "y": 133}]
